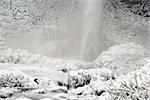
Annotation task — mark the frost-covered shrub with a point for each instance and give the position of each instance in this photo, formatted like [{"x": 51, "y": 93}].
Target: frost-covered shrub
[
  {"x": 81, "y": 78},
  {"x": 103, "y": 74},
  {"x": 98, "y": 81},
  {"x": 15, "y": 56},
  {"x": 78, "y": 79},
  {"x": 24, "y": 57},
  {"x": 3, "y": 45},
  {"x": 21, "y": 57},
  {"x": 122, "y": 58},
  {"x": 70, "y": 66},
  {"x": 66, "y": 67},
  {"x": 133, "y": 86},
  {"x": 15, "y": 79}
]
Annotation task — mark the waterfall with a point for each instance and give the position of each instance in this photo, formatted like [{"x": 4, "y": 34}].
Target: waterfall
[
  {"x": 91, "y": 30},
  {"x": 68, "y": 29}
]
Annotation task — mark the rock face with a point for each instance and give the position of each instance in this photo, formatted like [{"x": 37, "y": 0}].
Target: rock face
[
  {"x": 124, "y": 23},
  {"x": 51, "y": 27},
  {"x": 139, "y": 7},
  {"x": 41, "y": 23},
  {"x": 24, "y": 15}
]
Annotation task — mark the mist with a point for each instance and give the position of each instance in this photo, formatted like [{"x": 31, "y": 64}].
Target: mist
[{"x": 69, "y": 29}]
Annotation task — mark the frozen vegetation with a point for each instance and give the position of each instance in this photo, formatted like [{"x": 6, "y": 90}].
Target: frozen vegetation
[
  {"x": 107, "y": 78},
  {"x": 130, "y": 56},
  {"x": 117, "y": 46}
]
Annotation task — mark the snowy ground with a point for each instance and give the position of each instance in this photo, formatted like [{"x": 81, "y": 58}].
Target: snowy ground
[
  {"x": 122, "y": 75},
  {"x": 48, "y": 86}
]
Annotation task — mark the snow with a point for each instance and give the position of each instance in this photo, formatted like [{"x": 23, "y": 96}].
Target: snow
[
  {"x": 23, "y": 99},
  {"x": 47, "y": 26},
  {"x": 6, "y": 92},
  {"x": 27, "y": 76},
  {"x": 45, "y": 82},
  {"x": 122, "y": 58}
]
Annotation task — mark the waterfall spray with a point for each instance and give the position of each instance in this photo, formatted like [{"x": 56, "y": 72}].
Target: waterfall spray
[{"x": 91, "y": 29}]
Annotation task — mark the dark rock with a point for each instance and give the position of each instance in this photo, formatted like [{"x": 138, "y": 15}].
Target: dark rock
[{"x": 99, "y": 93}]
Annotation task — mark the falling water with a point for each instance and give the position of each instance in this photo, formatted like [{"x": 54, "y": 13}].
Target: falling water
[
  {"x": 68, "y": 29},
  {"x": 91, "y": 30},
  {"x": 67, "y": 23}
]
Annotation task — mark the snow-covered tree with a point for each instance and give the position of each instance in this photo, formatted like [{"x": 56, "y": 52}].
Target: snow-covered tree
[
  {"x": 122, "y": 58},
  {"x": 133, "y": 86}
]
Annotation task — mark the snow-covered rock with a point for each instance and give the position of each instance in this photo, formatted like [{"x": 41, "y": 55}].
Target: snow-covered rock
[
  {"x": 81, "y": 90},
  {"x": 59, "y": 89},
  {"x": 46, "y": 99},
  {"x": 6, "y": 92}
]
